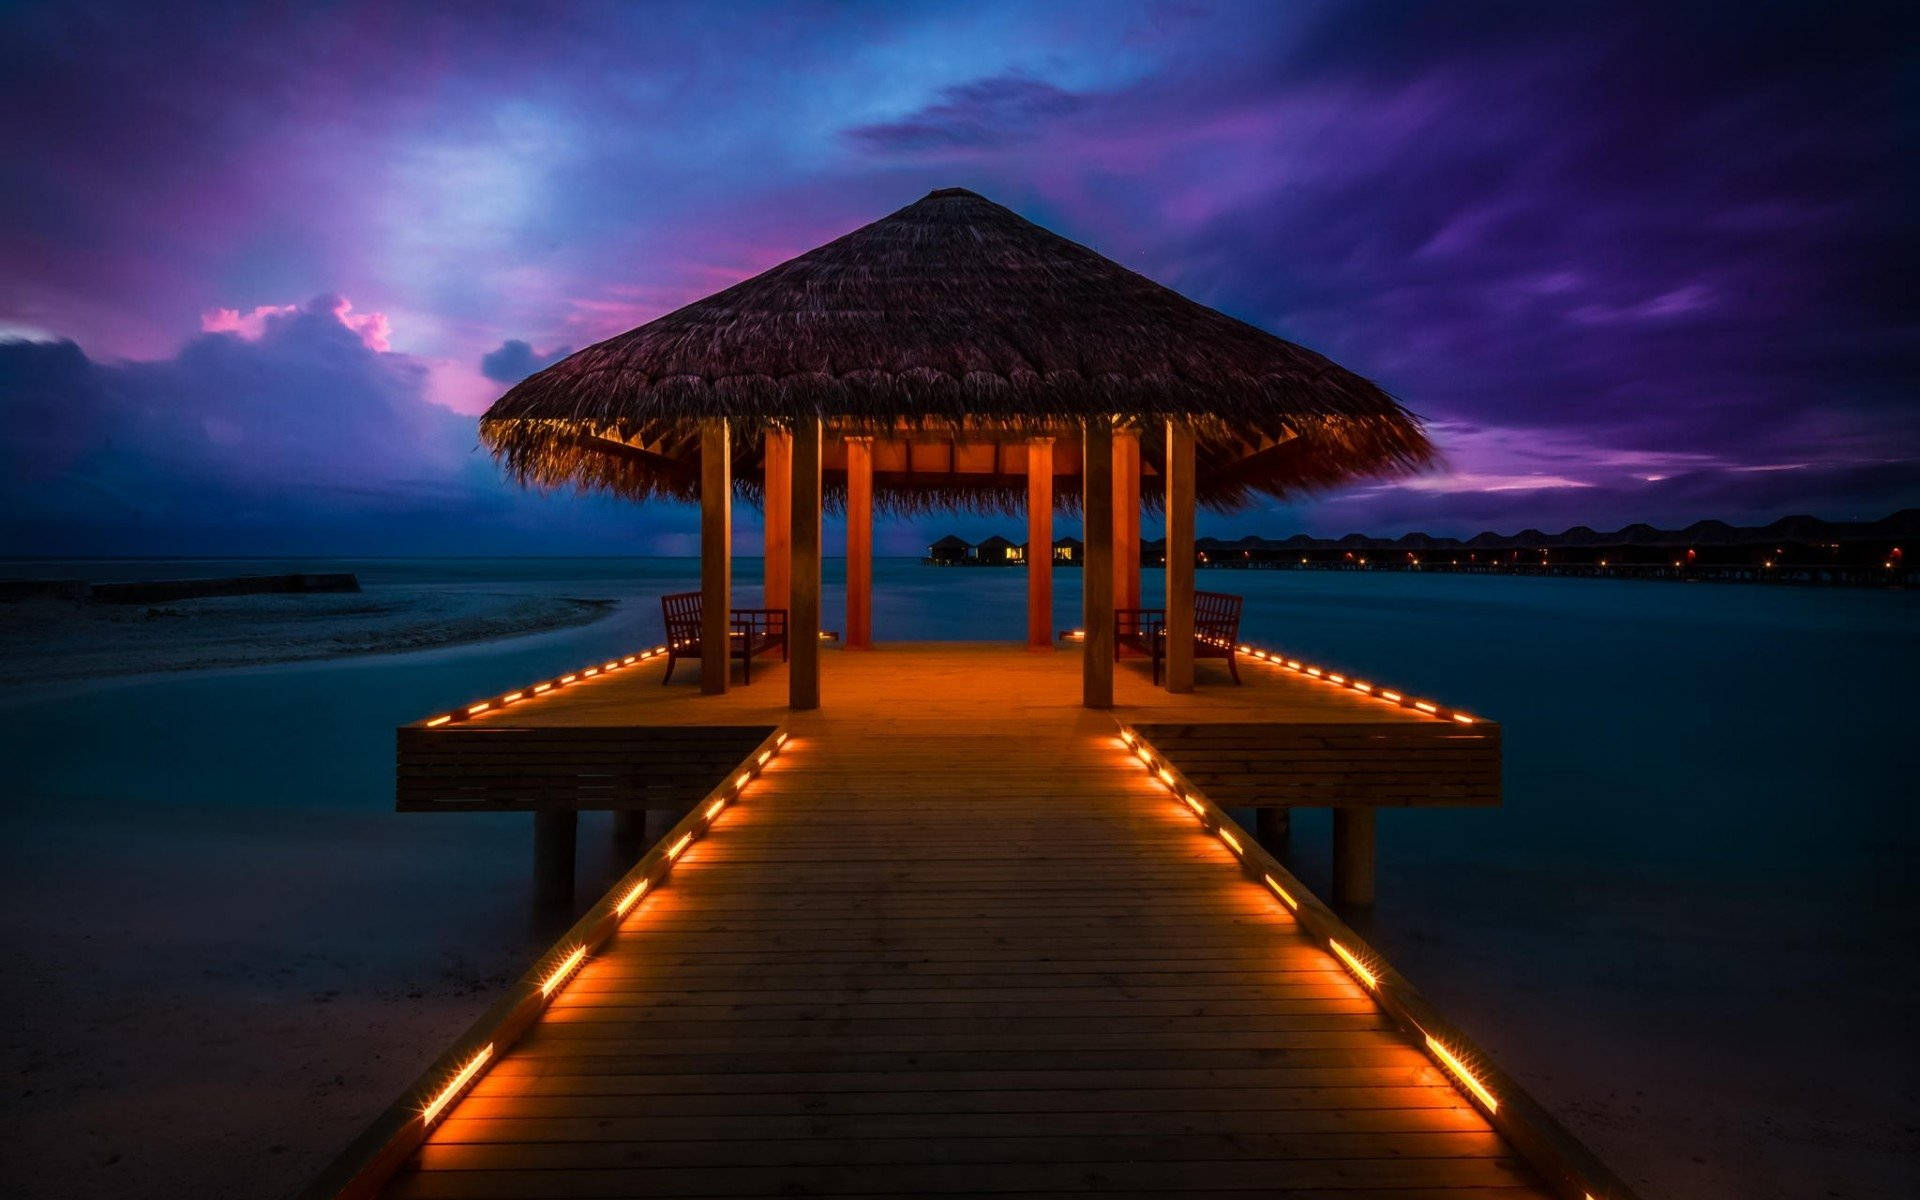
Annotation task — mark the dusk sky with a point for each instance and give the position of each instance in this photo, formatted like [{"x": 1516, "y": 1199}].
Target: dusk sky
[{"x": 262, "y": 270}]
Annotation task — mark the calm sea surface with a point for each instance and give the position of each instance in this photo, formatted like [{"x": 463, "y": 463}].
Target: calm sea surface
[{"x": 1701, "y": 882}]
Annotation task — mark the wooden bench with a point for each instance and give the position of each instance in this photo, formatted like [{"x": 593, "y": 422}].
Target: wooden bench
[
  {"x": 1216, "y": 630},
  {"x": 752, "y": 631}
]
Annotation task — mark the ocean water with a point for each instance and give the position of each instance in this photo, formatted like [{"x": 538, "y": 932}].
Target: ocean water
[{"x": 1690, "y": 927}]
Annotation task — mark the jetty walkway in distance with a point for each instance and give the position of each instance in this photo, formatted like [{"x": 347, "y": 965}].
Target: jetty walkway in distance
[{"x": 953, "y": 933}]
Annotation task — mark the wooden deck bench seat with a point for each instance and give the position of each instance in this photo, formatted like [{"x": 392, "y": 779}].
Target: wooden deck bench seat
[
  {"x": 1216, "y": 631},
  {"x": 752, "y": 631}
]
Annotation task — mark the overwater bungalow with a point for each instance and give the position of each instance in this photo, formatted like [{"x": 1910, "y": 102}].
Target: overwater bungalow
[
  {"x": 1067, "y": 551},
  {"x": 950, "y": 550},
  {"x": 957, "y": 917},
  {"x": 998, "y": 551}
]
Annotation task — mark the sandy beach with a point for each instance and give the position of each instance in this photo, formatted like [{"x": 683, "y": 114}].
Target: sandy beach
[{"x": 50, "y": 640}]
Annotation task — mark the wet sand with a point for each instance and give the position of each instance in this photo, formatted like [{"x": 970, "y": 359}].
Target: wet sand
[{"x": 47, "y": 640}]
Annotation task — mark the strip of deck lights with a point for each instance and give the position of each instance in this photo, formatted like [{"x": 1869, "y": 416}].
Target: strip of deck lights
[
  {"x": 559, "y": 974},
  {"x": 1361, "y": 686},
  {"x": 436, "y": 1105},
  {"x": 1459, "y": 1071},
  {"x": 1346, "y": 957},
  {"x": 1358, "y": 968},
  {"x": 541, "y": 689}
]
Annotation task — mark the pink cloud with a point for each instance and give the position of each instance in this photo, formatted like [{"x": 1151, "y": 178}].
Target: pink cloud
[{"x": 372, "y": 328}]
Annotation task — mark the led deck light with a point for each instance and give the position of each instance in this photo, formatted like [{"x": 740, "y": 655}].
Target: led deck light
[
  {"x": 631, "y": 898},
  {"x": 742, "y": 779},
  {"x": 679, "y": 847},
  {"x": 461, "y": 1080},
  {"x": 1286, "y": 897},
  {"x": 1353, "y": 964},
  {"x": 1459, "y": 1071},
  {"x": 559, "y": 974},
  {"x": 713, "y": 810},
  {"x": 483, "y": 706},
  {"x": 1463, "y": 718},
  {"x": 1386, "y": 695},
  {"x": 438, "y": 721},
  {"x": 1231, "y": 841},
  {"x": 568, "y": 678},
  {"x": 1423, "y": 706},
  {"x": 590, "y": 672}
]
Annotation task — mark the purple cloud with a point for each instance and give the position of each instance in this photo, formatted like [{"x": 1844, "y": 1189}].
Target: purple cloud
[
  {"x": 514, "y": 360},
  {"x": 1593, "y": 245}
]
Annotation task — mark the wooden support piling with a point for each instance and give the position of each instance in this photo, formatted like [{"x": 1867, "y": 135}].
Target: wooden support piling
[
  {"x": 777, "y": 513},
  {"x": 1353, "y": 857},
  {"x": 555, "y": 830},
  {"x": 1274, "y": 829},
  {"x": 1180, "y": 493},
  {"x": 1096, "y": 575},
  {"x": 859, "y": 543},
  {"x": 1040, "y": 543},
  {"x": 716, "y": 555},
  {"x": 803, "y": 619},
  {"x": 1126, "y": 518}
]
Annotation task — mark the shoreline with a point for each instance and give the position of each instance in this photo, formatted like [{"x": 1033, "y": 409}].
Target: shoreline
[{"x": 63, "y": 642}]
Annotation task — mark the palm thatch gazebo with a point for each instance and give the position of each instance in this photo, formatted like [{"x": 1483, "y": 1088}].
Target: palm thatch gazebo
[{"x": 951, "y": 355}]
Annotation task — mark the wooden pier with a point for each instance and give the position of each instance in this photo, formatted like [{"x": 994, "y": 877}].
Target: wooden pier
[{"x": 955, "y": 933}]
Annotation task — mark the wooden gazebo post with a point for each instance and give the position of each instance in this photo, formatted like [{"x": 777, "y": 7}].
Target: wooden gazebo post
[
  {"x": 803, "y": 617},
  {"x": 1096, "y": 572},
  {"x": 859, "y": 543},
  {"x": 716, "y": 554},
  {"x": 1040, "y": 543},
  {"x": 777, "y": 512},
  {"x": 1126, "y": 517},
  {"x": 1180, "y": 484}
]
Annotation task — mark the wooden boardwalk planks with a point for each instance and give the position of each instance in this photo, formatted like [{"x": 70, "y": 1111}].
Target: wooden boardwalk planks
[{"x": 953, "y": 941}]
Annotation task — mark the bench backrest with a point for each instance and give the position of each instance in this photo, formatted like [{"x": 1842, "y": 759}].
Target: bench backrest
[
  {"x": 1216, "y": 617},
  {"x": 681, "y": 614}
]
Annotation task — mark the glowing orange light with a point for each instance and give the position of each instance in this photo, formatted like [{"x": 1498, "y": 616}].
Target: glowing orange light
[
  {"x": 1286, "y": 897},
  {"x": 1336, "y": 678},
  {"x": 781, "y": 740},
  {"x": 1230, "y": 840},
  {"x": 612, "y": 666},
  {"x": 1294, "y": 663},
  {"x": 1353, "y": 964},
  {"x": 765, "y": 755},
  {"x": 630, "y": 659},
  {"x": 559, "y": 974},
  {"x": 453, "y": 1087},
  {"x": 1463, "y": 718},
  {"x": 633, "y": 895},
  {"x": 1386, "y": 695},
  {"x": 679, "y": 847},
  {"x": 1423, "y": 706},
  {"x": 1314, "y": 671},
  {"x": 713, "y": 810},
  {"x": 590, "y": 671},
  {"x": 542, "y": 687},
  {"x": 510, "y": 697},
  {"x": 742, "y": 779},
  {"x": 483, "y": 706},
  {"x": 568, "y": 678},
  {"x": 1459, "y": 1071},
  {"x": 1193, "y": 804},
  {"x": 1363, "y": 687},
  {"x": 1166, "y": 776},
  {"x": 438, "y": 721}
]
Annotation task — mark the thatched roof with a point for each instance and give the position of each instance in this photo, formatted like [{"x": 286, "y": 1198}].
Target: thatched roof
[{"x": 951, "y": 331}]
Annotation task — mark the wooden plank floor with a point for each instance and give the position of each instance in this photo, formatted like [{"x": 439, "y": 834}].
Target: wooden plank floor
[
  {"x": 968, "y": 681},
  {"x": 953, "y": 942}
]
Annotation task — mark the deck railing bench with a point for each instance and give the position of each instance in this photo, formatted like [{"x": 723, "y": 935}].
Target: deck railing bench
[
  {"x": 1216, "y": 630},
  {"x": 751, "y": 632}
]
